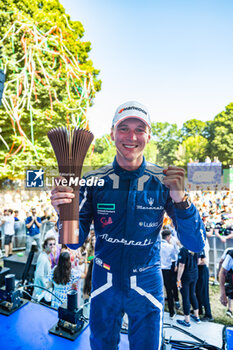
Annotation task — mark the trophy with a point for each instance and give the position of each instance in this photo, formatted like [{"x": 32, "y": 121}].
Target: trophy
[{"x": 70, "y": 147}]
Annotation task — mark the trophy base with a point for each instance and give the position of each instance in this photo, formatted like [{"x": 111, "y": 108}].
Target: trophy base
[{"x": 69, "y": 232}]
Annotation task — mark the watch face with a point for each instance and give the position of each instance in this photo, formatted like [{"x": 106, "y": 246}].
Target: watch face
[{"x": 183, "y": 205}]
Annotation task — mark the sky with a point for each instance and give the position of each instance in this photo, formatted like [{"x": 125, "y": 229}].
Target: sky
[{"x": 175, "y": 57}]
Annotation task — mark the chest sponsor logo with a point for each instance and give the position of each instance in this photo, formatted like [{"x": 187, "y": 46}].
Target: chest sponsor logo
[
  {"x": 147, "y": 224},
  {"x": 106, "y": 208},
  {"x": 106, "y": 221},
  {"x": 150, "y": 206},
  {"x": 123, "y": 241},
  {"x": 151, "y": 201}
]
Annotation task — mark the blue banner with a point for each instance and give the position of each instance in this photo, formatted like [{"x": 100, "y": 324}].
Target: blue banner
[{"x": 204, "y": 173}]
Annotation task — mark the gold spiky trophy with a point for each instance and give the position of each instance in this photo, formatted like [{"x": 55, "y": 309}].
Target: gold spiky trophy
[{"x": 70, "y": 147}]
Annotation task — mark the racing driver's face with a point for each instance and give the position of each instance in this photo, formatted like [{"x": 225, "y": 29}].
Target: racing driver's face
[{"x": 131, "y": 137}]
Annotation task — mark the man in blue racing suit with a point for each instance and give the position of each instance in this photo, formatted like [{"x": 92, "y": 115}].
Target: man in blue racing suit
[{"x": 128, "y": 215}]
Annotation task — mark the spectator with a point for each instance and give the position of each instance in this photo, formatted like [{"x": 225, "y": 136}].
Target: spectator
[
  {"x": 26, "y": 229},
  {"x": 81, "y": 266},
  {"x": 224, "y": 229},
  {"x": 226, "y": 282},
  {"x": 87, "y": 282},
  {"x": 33, "y": 224},
  {"x": 46, "y": 217},
  {"x": 168, "y": 252},
  {"x": 17, "y": 228},
  {"x": 228, "y": 279},
  {"x": 223, "y": 258},
  {"x": 63, "y": 278},
  {"x": 43, "y": 270},
  {"x": 209, "y": 232},
  {"x": 209, "y": 226},
  {"x": 52, "y": 232},
  {"x": 48, "y": 222},
  {"x": 202, "y": 288},
  {"x": 54, "y": 255},
  {"x": 187, "y": 276},
  {"x": 91, "y": 247},
  {"x": 176, "y": 243},
  {"x": 8, "y": 228}
]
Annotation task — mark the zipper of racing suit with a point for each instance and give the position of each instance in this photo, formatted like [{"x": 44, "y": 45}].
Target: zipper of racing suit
[{"x": 130, "y": 210}]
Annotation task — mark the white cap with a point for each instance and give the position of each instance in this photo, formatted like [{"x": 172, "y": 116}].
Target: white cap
[{"x": 132, "y": 109}]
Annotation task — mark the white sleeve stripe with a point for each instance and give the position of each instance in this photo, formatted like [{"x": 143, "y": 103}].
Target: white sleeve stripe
[{"x": 83, "y": 200}]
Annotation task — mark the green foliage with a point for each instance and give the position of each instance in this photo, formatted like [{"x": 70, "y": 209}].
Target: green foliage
[
  {"x": 167, "y": 137},
  {"x": 106, "y": 157},
  {"x": 151, "y": 152},
  {"x": 194, "y": 147},
  {"x": 27, "y": 137},
  {"x": 220, "y": 136},
  {"x": 192, "y": 127},
  {"x": 103, "y": 143},
  {"x": 104, "y": 152}
]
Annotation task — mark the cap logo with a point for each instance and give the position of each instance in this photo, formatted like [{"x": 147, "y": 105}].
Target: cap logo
[{"x": 133, "y": 107}]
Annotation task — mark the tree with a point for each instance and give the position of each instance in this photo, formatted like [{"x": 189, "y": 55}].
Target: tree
[
  {"x": 50, "y": 81},
  {"x": 192, "y": 127},
  {"x": 220, "y": 136},
  {"x": 194, "y": 147},
  {"x": 167, "y": 138}
]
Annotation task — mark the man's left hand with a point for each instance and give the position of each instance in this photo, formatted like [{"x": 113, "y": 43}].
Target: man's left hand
[{"x": 174, "y": 180}]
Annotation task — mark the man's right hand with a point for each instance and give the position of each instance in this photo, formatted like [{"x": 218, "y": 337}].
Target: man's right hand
[{"x": 61, "y": 195}]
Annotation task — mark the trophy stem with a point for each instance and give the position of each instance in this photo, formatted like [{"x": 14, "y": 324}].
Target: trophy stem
[{"x": 69, "y": 232}]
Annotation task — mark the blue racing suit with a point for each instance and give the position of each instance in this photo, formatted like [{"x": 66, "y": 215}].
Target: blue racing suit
[{"x": 128, "y": 214}]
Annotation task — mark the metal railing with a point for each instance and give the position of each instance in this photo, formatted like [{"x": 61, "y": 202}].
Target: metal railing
[
  {"x": 19, "y": 239},
  {"x": 217, "y": 248}
]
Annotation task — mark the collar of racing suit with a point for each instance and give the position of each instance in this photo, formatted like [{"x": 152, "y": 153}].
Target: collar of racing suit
[{"x": 126, "y": 174}]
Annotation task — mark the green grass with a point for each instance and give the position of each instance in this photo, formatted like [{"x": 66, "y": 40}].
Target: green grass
[{"x": 217, "y": 309}]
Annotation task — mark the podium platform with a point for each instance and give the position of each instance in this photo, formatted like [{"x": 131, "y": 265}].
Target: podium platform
[
  {"x": 28, "y": 328},
  {"x": 17, "y": 264}
]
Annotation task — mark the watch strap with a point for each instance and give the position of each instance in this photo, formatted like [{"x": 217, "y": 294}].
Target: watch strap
[{"x": 184, "y": 204}]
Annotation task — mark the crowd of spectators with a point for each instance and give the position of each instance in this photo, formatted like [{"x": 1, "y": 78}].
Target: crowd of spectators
[
  {"x": 60, "y": 269},
  {"x": 19, "y": 229},
  {"x": 189, "y": 271},
  {"x": 185, "y": 273},
  {"x": 216, "y": 209}
]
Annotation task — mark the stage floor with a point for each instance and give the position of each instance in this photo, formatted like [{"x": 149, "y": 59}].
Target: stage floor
[
  {"x": 28, "y": 328},
  {"x": 209, "y": 331}
]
